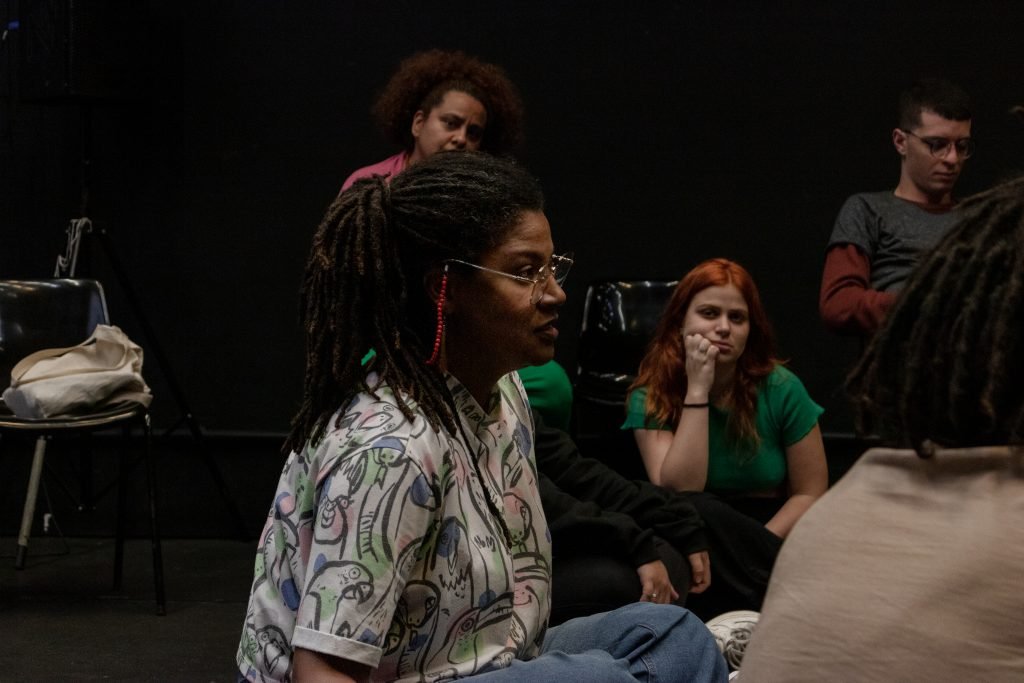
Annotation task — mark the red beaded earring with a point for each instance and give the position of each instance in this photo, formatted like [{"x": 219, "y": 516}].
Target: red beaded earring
[{"x": 440, "y": 319}]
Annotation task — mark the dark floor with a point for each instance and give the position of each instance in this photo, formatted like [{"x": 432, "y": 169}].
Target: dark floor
[
  {"x": 61, "y": 621},
  {"x": 59, "y": 618}
]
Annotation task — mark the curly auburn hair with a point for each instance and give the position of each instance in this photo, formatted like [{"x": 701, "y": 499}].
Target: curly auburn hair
[
  {"x": 663, "y": 369},
  {"x": 421, "y": 82},
  {"x": 946, "y": 367}
]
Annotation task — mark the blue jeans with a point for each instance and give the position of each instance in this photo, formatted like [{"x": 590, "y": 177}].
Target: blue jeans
[{"x": 638, "y": 642}]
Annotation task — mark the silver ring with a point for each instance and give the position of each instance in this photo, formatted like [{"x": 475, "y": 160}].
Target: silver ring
[{"x": 652, "y": 595}]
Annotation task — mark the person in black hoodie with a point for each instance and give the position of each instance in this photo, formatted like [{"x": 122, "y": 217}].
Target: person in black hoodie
[
  {"x": 618, "y": 540},
  {"x": 614, "y": 540}
]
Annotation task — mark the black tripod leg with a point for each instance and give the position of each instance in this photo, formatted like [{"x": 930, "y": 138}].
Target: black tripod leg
[
  {"x": 172, "y": 384},
  {"x": 218, "y": 478}
]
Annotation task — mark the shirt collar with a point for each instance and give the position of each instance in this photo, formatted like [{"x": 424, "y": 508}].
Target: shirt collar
[{"x": 477, "y": 417}]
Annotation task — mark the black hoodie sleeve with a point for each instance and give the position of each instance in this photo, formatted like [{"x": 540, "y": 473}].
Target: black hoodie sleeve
[
  {"x": 579, "y": 527},
  {"x": 651, "y": 508}
]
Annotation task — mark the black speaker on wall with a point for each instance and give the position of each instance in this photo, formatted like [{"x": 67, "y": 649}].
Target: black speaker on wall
[{"x": 81, "y": 49}]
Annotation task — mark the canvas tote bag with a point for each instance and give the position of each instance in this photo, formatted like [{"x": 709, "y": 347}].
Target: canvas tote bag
[{"x": 101, "y": 371}]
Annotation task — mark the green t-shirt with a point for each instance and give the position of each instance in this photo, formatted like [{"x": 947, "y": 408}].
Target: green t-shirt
[
  {"x": 785, "y": 414},
  {"x": 550, "y": 393}
]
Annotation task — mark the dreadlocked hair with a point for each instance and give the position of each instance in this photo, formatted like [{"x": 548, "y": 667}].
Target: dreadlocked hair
[
  {"x": 946, "y": 367},
  {"x": 663, "y": 369},
  {"x": 364, "y": 281},
  {"x": 422, "y": 81}
]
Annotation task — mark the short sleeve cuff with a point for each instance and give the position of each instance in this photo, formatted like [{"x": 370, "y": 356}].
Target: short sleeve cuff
[
  {"x": 345, "y": 648},
  {"x": 636, "y": 413},
  {"x": 810, "y": 417},
  {"x": 800, "y": 411}
]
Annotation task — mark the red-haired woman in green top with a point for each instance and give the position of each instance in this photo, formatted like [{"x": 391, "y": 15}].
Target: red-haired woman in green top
[{"x": 713, "y": 410}]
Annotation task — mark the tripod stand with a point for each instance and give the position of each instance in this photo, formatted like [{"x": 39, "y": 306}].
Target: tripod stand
[{"x": 66, "y": 267}]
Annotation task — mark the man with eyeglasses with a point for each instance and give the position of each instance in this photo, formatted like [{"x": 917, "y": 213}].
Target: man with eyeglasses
[{"x": 878, "y": 237}]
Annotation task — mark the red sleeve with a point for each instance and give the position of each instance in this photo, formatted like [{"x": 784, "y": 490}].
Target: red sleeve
[{"x": 847, "y": 303}]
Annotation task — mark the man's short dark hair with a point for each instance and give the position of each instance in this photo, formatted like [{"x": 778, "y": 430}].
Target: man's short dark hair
[{"x": 946, "y": 99}]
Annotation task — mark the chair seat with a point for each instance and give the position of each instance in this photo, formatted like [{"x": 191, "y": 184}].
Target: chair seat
[
  {"x": 92, "y": 420},
  {"x": 604, "y": 387}
]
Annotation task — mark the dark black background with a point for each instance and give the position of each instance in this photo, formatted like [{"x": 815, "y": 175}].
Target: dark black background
[{"x": 663, "y": 132}]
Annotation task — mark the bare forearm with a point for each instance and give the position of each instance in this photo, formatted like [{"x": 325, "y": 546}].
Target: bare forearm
[
  {"x": 685, "y": 467},
  {"x": 314, "y": 666},
  {"x": 794, "y": 508},
  {"x": 807, "y": 479}
]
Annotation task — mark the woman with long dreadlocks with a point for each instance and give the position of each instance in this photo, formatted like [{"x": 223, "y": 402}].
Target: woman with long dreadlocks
[
  {"x": 406, "y": 540},
  {"x": 438, "y": 101},
  {"x": 909, "y": 568}
]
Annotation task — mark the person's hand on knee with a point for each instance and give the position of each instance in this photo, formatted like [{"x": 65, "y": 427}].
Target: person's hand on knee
[
  {"x": 656, "y": 585},
  {"x": 700, "y": 572}
]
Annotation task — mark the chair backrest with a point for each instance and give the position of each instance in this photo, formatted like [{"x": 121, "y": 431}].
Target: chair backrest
[
  {"x": 46, "y": 314},
  {"x": 619, "y": 319}
]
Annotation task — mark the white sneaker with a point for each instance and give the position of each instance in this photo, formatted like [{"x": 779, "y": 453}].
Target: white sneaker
[{"x": 732, "y": 633}]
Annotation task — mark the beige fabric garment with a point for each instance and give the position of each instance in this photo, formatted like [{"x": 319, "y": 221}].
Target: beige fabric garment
[
  {"x": 104, "y": 370},
  {"x": 907, "y": 570}
]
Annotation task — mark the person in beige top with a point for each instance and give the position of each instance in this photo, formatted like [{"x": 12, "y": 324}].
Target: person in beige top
[{"x": 910, "y": 568}]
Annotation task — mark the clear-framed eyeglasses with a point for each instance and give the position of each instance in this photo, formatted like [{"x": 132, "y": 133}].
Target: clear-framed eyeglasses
[
  {"x": 939, "y": 147},
  {"x": 557, "y": 269}
]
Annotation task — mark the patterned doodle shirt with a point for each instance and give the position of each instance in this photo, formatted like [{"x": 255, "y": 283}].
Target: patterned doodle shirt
[{"x": 383, "y": 546}]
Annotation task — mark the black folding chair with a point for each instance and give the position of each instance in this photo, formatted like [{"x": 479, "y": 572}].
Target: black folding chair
[
  {"x": 40, "y": 314},
  {"x": 619, "y": 319}
]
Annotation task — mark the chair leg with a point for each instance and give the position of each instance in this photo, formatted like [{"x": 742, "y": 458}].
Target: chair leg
[
  {"x": 87, "y": 499},
  {"x": 30, "y": 502},
  {"x": 151, "y": 485},
  {"x": 119, "y": 519}
]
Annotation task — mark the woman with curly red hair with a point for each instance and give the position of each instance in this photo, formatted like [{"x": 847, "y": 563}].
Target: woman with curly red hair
[{"x": 439, "y": 101}]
